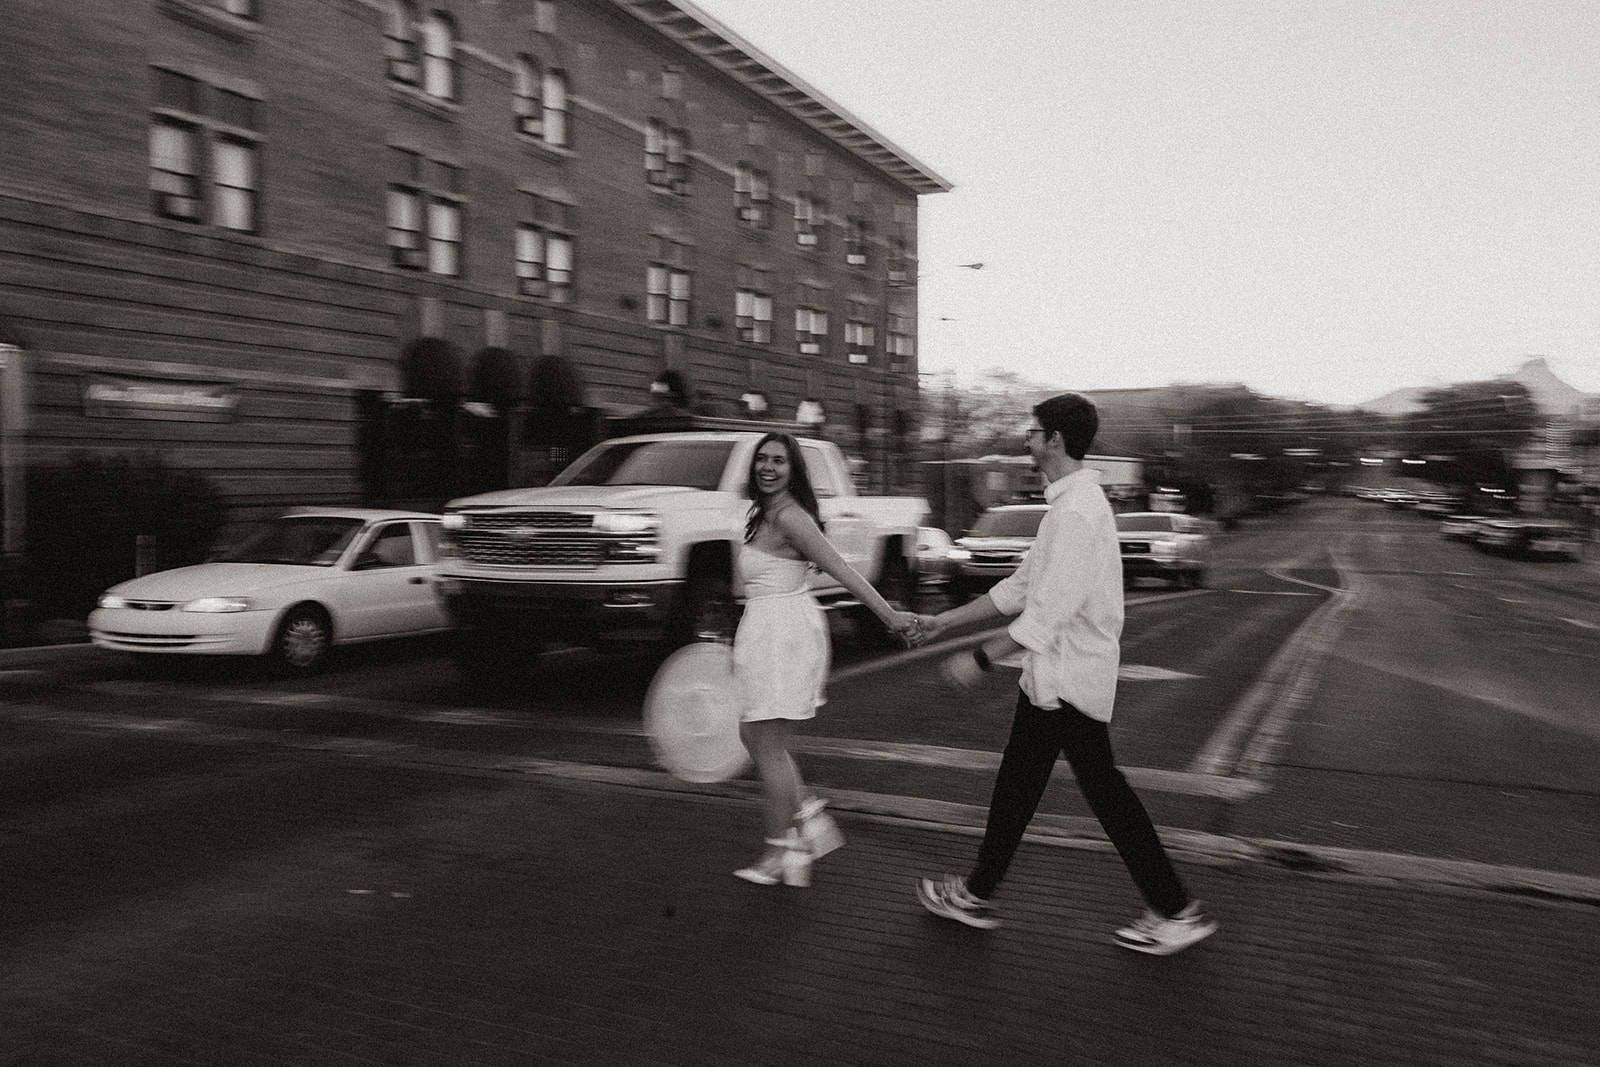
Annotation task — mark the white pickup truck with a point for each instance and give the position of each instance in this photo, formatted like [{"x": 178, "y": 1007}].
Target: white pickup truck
[{"x": 638, "y": 533}]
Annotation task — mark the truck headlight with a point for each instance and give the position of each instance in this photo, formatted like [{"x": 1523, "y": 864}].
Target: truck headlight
[
  {"x": 627, "y": 522},
  {"x": 635, "y": 534},
  {"x": 454, "y": 521}
]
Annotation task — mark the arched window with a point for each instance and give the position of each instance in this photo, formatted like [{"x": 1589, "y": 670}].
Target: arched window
[
  {"x": 556, "y": 130},
  {"x": 530, "y": 111},
  {"x": 439, "y": 57},
  {"x": 400, "y": 43}
]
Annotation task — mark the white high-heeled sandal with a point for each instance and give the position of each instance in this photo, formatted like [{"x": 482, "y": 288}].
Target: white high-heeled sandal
[
  {"x": 822, "y": 835},
  {"x": 788, "y": 860}
]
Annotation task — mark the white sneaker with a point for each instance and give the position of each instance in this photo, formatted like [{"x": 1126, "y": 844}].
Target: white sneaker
[
  {"x": 1160, "y": 936},
  {"x": 949, "y": 898}
]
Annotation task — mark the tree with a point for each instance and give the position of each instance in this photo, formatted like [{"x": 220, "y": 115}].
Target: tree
[{"x": 1473, "y": 426}]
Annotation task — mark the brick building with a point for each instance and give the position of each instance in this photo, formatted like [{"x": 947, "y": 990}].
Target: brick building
[{"x": 232, "y": 230}]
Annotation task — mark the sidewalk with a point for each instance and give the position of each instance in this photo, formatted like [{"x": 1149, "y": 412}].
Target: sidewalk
[{"x": 449, "y": 918}]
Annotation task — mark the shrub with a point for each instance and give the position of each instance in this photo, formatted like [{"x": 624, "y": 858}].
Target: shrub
[{"x": 84, "y": 521}]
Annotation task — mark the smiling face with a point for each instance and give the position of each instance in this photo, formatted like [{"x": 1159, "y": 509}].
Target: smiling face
[{"x": 772, "y": 468}]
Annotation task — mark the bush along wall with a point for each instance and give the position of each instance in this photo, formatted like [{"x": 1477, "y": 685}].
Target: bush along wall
[{"x": 95, "y": 521}]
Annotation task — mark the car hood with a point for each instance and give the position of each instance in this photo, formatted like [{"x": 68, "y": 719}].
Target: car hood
[
  {"x": 575, "y": 496},
  {"x": 217, "y": 579},
  {"x": 995, "y": 544}
]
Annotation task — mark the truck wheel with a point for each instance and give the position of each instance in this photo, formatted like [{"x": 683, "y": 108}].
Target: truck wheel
[
  {"x": 895, "y": 585},
  {"x": 707, "y": 610},
  {"x": 491, "y": 660}
]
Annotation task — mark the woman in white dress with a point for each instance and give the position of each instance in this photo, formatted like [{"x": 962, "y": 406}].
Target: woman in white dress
[{"x": 781, "y": 651}]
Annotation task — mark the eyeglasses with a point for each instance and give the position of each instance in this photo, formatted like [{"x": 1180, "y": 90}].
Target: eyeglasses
[{"x": 1028, "y": 436}]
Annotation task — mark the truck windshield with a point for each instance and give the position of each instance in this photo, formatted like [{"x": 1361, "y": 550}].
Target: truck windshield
[{"x": 696, "y": 464}]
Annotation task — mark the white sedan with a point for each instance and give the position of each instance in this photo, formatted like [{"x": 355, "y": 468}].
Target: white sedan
[{"x": 295, "y": 587}]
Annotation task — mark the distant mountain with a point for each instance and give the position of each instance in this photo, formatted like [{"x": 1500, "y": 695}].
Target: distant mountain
[
  {"x": 1551, "y": 394},
  {"x": 1397, "y": 402}
]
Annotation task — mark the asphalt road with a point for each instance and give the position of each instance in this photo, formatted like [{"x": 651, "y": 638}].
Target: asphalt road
[{"x": 1346, "y": 680}]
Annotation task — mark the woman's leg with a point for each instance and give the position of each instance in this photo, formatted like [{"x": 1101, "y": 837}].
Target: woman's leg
[{"x": 767, "y": 741}]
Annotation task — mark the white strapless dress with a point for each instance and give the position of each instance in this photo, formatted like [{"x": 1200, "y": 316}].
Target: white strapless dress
[{"x": 781, "y": 650}]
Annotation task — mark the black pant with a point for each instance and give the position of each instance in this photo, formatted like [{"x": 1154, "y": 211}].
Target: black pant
[{"x": 1038, "y": 735}]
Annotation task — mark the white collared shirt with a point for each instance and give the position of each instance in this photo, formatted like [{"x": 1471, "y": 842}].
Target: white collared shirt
[{"x": 1067, "y": 596}]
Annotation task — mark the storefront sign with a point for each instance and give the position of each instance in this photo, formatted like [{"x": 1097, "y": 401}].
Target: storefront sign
[{"x": 113, "y": 397}]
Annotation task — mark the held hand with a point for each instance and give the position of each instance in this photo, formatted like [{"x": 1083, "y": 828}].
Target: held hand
[
  {"x": 962, "y": 671},
  {"x": 904, "y": 623},
  {"x": 929, "y": 626}
]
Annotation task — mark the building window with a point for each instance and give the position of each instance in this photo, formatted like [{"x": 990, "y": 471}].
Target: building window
[
  {"x": 545, "y": 250},
  {"x": 857, "y": 236},
  {"x": 544, "y": 16},
  {"x": 400, "y": 43},
  {"x": 439, "y": 57},
  {"x": 245, "y": 9},
  {"x": 899, "y": 262},
  {"x": 174, "y": 173},
  {"x": 233, "y": 180},
  {"x": 425, "y": 210},
  {"x": 810, "y": 321},
  {"x": 530, "y": 111},
  {"x": 753, "y": 192},
  {"x": 666, "y": 157},
  {"x": 405, "y": 228},
  {"x": 444, "y": 238},
  {"x": 204, "y": 154},
  {"x": 556, "y": 129},
  {"x": 668, "y": 291},
  {"x": 809, "y": 215},
  {"x": 671, "y": 83},
  {"x": 898, "y": 344},
  {"x": 858, "y": 333},
  {"x": 752, "y": 305}
]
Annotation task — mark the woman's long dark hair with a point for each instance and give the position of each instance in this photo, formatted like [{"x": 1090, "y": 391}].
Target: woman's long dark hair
[{"x": 799, "y": 484}]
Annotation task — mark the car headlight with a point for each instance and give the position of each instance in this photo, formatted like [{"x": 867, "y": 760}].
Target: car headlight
[
  {"x": 217, "y": 605},
  {"x": 1164, "y": 548},
  {"x": 454, "y": 521},
  {"x": 958, "y": 555},
  {"x": 108, "y": 600}
]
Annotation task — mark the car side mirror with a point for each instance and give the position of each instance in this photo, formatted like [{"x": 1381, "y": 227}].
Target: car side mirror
[{"x": 368, "y": 560}]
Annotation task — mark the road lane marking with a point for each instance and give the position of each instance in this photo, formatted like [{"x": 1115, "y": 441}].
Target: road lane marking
[
  {"x": 1060, "y": 831},
  {"x": 1580, "y": 623}
]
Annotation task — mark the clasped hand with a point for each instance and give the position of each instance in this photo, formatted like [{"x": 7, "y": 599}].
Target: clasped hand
[{"x": 915, "y": 630}]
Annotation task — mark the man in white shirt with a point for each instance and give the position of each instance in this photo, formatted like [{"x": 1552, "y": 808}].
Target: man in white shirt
[{"x": 1066, "y": 603}]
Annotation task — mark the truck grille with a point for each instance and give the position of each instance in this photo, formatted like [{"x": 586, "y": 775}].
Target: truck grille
[
  {"x": 533, "y": 539},
  {"x": 1136, "y": 548}
]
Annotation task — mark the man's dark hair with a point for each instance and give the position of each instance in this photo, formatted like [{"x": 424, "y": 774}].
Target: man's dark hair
[{"x": 1073, "y": 417}]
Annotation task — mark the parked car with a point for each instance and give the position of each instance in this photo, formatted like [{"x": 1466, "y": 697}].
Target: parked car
[
  {"x": 937, "y": 555},
  {"x": 1166, "y": 545},
  {"x": 1459, "y": 527},
  {"x": 1541, "y": 538},
  {"x": 994, "y": 547},
  {"x": 295, "y": 587}
]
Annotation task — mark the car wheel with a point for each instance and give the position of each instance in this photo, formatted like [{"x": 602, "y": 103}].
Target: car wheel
[
  {"x": 1195, "y": 578},
  {"x": 302, "y": 641}
]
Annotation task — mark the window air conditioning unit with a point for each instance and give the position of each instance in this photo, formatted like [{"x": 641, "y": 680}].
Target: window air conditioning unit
[
  {"x": 897, "y": 276},
  {"x": 807, "y": 239},
  {"x": 858, "y": 358},
  {"x": 178, "y": 206},
  {"x": 856, "y": 259},
  {"x": 810, "y": 348}
]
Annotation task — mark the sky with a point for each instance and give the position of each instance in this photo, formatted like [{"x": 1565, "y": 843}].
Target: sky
[{"x": 1324, "y": 200}]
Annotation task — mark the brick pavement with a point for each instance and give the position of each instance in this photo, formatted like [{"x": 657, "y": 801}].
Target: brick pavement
[{"x": 353, "y": 912}]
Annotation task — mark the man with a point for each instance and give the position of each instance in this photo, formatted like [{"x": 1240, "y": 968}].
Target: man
[{"x": 1066, "y": 598}]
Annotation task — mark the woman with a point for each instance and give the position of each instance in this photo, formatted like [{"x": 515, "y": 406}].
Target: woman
[{"x": 781, "y": 651}]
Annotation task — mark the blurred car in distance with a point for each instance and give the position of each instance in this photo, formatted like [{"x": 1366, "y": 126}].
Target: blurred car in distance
[
  {"x": 936, "y": 558},
  {"x": 1532, "y": 537},
  {"x": 294, "y": 588},
  {"x": 994, "y": 547},
  {"x": 1459, "y": 527},
  {"x": 1173, "y": 547}
]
